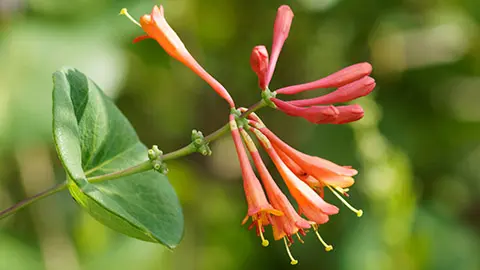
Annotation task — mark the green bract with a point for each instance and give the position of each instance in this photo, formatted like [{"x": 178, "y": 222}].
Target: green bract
[{"x": 94, "y": 138}]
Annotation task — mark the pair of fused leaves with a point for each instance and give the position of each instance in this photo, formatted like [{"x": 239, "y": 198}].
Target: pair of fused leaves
[{"x": 94, "y": 138}]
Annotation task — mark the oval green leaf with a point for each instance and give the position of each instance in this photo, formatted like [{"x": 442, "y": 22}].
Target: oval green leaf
[{"x": 93, "y": 138}]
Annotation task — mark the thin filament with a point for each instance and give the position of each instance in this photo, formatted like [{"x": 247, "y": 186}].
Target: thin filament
[
  {"x": 359, "y": 212},
  {"x": 327, "y": 246},
  {"x": 125, "y": 12},
  {"x": 265, "y": 242},
  {"x": 292, "y": 260}
]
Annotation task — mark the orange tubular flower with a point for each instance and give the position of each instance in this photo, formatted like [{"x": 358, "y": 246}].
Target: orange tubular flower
[
  {"x": 290, "y": 223},
  {"x": 309, "y": 203},
  {"x": 317, "y": 172},
  {"x": 290, "y": 164},
  {"x": 156, "y": 27},
  {"x": 259, "y": 209}
]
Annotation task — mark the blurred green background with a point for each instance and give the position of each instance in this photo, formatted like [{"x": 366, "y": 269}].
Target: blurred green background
[{"x": 417, "y": 149}]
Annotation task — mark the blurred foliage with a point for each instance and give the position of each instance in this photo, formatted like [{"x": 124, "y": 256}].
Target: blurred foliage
[{"x": 417, "y": 149}]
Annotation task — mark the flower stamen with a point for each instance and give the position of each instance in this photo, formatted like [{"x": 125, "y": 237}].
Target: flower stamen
[
  {"x": 300, "y": 239},
  {"x": 343, "y": 191},
  {"x": 359, "y": 212},
  {"x": 265, "y": 242},
  {"x": 125, "y": 12},
  {"x": 327, "y": 246},
  {"x": 292, "y": 260}
]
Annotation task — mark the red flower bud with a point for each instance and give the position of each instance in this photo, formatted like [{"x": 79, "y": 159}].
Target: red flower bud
[
  {"x": 314, "y": 114},
  {"x": 281, "y": 28},
  {"x": 259, "y": 63},
  {"x": 337, "y": 79},
  {"x": 349, "y": 113},
  {"x": 345, "y": 93}
]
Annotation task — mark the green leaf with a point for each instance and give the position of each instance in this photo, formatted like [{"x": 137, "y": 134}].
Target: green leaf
[{"x": 94, "y": 138}]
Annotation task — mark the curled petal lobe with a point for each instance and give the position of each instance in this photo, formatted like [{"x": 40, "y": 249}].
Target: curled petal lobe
[
  {"x": 140, "y": 38},
  {"x": 346, "y": 93},
  {"x": 281, "y": 28},
  {"x": 337, "y": 79}
]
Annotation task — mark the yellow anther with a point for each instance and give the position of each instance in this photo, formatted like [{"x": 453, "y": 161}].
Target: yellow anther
[
  {"x": 292, "y": 260},
  {"x": 359, "y": 212},
  {"x": 124, "y": 11},
  {"x": 265, "y": 242},
  {"x": 327, "y": 246}
]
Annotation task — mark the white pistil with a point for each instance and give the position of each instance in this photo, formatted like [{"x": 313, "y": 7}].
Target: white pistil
[{"x": 299, "y": 238}]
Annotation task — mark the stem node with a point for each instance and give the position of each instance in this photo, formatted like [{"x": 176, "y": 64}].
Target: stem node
[
  {"x": 200, "y": 144},
  {"x": 156, "y": 158}
]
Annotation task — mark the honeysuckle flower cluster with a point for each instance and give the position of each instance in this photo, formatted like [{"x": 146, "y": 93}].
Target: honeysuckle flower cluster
[{"x": 306, "y": 177}]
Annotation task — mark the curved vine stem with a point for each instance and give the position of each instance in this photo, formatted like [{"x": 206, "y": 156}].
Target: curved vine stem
[
  {"x": 20, "y": 205},
  {"x": 142, "y": 167}
]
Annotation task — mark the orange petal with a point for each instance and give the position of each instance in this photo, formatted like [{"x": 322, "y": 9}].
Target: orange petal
[{"x": 140, "y": 38}]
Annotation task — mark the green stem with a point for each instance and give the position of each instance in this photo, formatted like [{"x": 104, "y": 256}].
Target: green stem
[
  {"x": 20, "y": 205},
  {"x": 184, "y": 151},
  {"x": 142, "y": 167},
  {"x": 189, "y": 149}
]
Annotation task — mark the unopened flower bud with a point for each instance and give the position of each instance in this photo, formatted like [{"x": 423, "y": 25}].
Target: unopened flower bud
[
  {"x": 281, "y": 28},
  {"x": 259, "y": 63},
  {"x": 349, "y": 113},
  {"x": 337, "y": 79},
  {"x": 346, "y": 93},
  {"x": 314, "y": 114}
]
